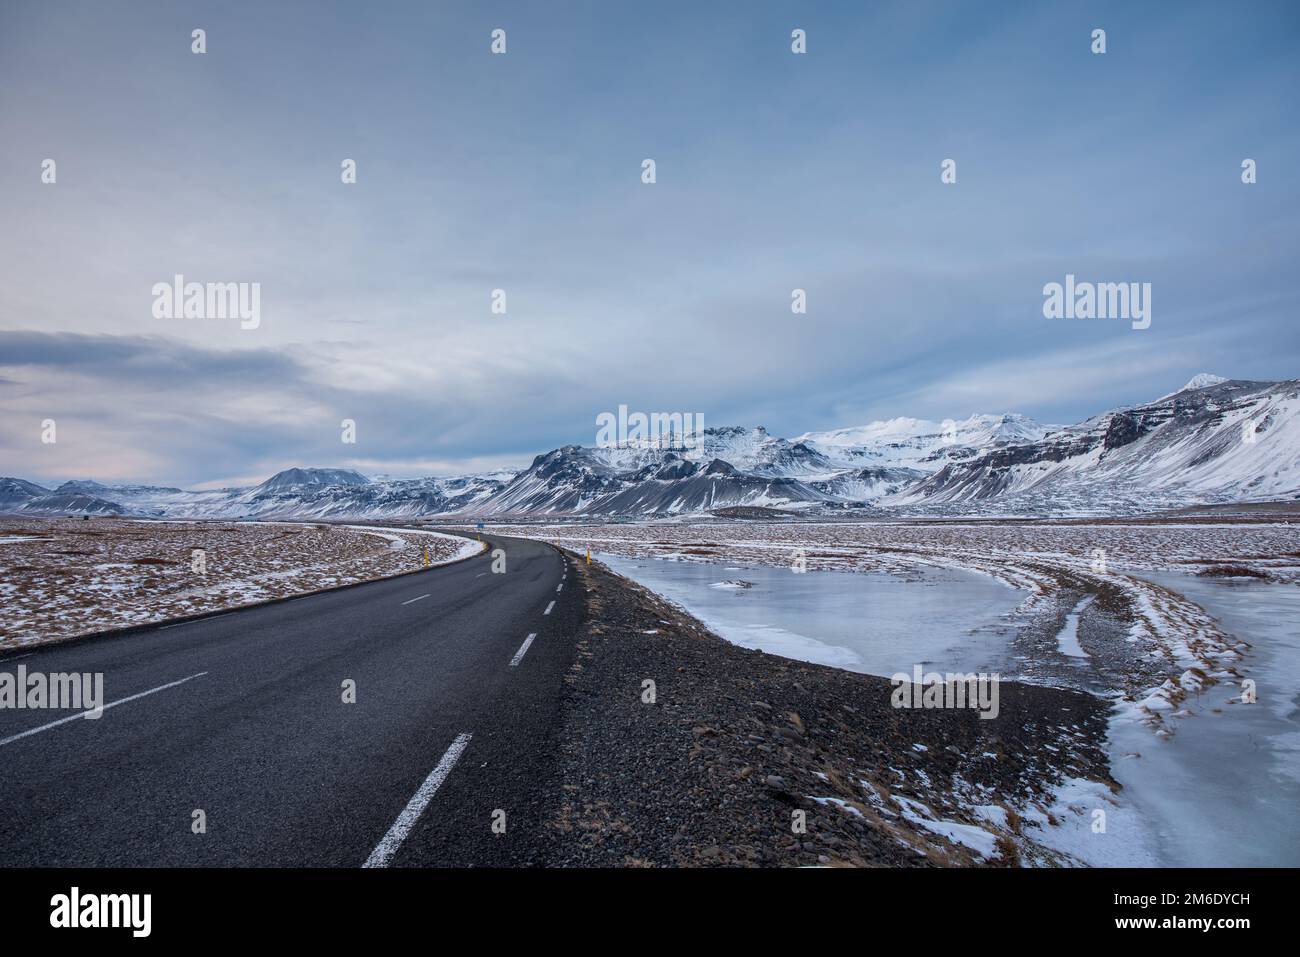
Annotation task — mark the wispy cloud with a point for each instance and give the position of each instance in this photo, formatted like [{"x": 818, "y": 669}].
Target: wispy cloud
[{"x": 521, "y": 172}]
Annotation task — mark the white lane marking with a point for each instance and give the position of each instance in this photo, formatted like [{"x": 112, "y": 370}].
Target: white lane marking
[
  {"x": 548, "y": 608},
  {"x": 390, "y": 842},
  {"x": 196, "y": 621},
  {"x": 559, "y": 586},
  {"x": 480, "y": 574},
  {"x": 413, "y": 600},
  {"x": 523, "y": 649},
  {"x": 82, "y": 714}
]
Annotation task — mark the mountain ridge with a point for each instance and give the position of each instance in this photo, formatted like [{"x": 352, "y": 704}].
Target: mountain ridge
[{"x": 1214, "y": 440}]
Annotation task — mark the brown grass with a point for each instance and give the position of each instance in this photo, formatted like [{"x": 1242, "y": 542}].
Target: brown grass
[{"x": 1231, "y": 571}]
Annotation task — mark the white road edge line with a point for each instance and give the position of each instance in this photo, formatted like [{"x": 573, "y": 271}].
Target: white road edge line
[
  {"x": 523, "y": 649},
  {"x": 390, "y": 842},
  {"x": 198, "y": 621},
  {"x": 413, "y": 600},
  {"x": 83, "y": 714},
  {"x": 548, "y": 608}
]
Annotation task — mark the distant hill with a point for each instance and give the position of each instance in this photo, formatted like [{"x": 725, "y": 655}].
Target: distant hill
[{"x": 1214, "y": 441}]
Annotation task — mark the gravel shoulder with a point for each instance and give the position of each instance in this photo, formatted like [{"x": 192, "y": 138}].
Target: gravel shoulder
[{"x": 742, "y": 758}]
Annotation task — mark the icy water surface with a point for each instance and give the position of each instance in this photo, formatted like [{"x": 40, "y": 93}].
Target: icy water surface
[
  {"x": 1225, "y": 789},
  {"x": 942, "y": 619}
]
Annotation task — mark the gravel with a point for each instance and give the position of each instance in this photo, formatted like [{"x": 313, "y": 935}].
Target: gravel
[{"x": 737, "y": 749}]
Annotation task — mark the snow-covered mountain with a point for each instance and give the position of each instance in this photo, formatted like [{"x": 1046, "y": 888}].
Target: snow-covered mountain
[
  {"x": 1214, "y": 440},
  {"x": 1202, "y": 381},
  {"x": 297, "y": 479},
  {"x": 358, "y": 496},
  {"x": 292, "y": 493},
  {"x": 16, "y": 492},
  {"x": 82, "y": 498},
  {"x": 596, "y": 481},
  {"x": 920, "y": 444},
  {"x": 749, "y": 467}
]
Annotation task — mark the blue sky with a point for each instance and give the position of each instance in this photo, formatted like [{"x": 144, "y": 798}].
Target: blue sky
[{"x": 522, "y": 172}]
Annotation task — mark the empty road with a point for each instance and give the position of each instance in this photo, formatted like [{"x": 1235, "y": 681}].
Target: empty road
[{"x": 242, "y": 717}]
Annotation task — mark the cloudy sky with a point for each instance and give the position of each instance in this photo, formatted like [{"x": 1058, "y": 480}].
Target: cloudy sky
[{"x": 523, "y": 172}]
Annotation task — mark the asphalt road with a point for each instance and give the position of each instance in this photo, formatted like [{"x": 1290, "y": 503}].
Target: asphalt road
[{"x": 444, "y": 732}]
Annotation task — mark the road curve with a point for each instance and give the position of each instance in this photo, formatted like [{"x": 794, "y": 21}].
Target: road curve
[{"x": 242, "y": 717}]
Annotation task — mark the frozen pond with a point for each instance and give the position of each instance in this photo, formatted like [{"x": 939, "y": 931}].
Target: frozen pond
[
  {"x": 945, "y": 620},
  {"x": 1223, "y": 791}
]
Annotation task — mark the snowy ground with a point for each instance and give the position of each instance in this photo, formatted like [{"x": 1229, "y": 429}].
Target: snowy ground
[{"x": 64, "y": 577}]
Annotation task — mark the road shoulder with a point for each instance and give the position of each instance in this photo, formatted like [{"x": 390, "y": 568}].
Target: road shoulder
[{"x": 680, "y": 749}]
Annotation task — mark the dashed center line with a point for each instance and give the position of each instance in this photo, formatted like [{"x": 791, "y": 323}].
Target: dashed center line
[
  {"x": 82, "y": 714},
  {"x": 390, "y": 842},
  {"x": 548, "y": 608},
  {"x": 413, "y": 600},
  {"x": 523, "y": 649},
  {"x": 559, "y": 586}
]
